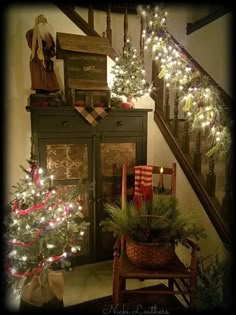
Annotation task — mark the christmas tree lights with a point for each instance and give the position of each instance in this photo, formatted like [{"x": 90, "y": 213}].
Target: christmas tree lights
[
  {"x": 129, "y": 75},
  {"x": 43, "y": 225}
]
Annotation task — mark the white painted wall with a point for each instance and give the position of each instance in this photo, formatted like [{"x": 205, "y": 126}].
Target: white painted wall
[
  {"x": 19, "y": 19},
  {"x": 188, "y": 201},
  {"x": 211, "y": 46},
  {"x": 176, "y": 22}
]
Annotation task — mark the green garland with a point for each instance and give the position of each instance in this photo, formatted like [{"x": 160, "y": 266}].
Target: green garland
[
  {"x": 214, "y": 282},
  {"x": 168, "y": 223},
  {"x": 199, "y": 98}
]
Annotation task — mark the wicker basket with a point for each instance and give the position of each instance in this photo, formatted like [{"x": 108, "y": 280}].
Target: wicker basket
[{"x": 150, "y": 255}]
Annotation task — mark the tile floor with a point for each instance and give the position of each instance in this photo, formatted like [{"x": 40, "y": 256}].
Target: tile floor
[{"x": 87, "y": 282}]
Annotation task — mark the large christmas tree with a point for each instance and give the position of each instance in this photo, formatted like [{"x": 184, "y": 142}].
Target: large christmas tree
[
  {"x": 43, "y": 225},
  {"x": 129, "y": 75}
]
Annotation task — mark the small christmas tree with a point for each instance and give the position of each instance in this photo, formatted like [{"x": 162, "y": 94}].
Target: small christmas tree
[
  {"x": 129, "y": 75},
  {"x": 43, "y": 225}
]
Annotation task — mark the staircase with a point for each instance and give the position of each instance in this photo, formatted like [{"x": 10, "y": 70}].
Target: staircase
[{"x": 209, "y": 178}]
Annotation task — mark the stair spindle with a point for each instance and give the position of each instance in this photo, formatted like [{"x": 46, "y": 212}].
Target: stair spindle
[
  {"x": 125, "y": 30},
  {"x": 166, "y": 104},
  {"x": 175, "y": 126},
  {"x": 227, "y": 202},
  {"x": 211, "y": 178},
  {"x": 142, "y": 40},
  {"x": 108, "y": 30},
  {"x": 91, "y": 17},
  {"x": 185, "y": 140},
  {"x": 159, "y": 86},
  {"x": 197, "y": 157}
]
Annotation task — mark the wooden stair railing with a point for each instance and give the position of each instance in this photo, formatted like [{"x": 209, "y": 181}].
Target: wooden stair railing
[
  {"x": 227, "y": 99},
  {"x": 210, "y": 203},
  {"x": 191, "y": 165},
  {"x": 91, "y": 17},
  {"x": 109, "y": 30},
  {"x": 214, "y": 13},
  {"x": 220, "y": 214},
  {"x": 86, "y": 27},
  {"x": 70, "y": 12}
]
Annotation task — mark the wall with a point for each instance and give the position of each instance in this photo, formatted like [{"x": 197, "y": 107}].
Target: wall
[
  {"x": 176, "y": 22},
  {"x": 19, "y": 20},
  {"x": 188, "y": 201},
  {"x": 211, "y": 46},
  {"x": 200, "y": 11}
]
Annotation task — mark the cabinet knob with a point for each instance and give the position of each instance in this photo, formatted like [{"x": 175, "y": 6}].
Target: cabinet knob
[
  {"x": 119, "y": 123},
  {"x": 65, "y": 123}
]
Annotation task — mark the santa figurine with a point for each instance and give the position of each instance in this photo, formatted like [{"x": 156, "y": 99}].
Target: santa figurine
[{"x": 42, "y": 45}]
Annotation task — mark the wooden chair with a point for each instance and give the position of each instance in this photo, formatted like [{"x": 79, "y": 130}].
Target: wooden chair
[{"x": 123, "y": 269}]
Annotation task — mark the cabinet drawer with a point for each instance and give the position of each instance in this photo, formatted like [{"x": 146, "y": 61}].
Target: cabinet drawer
[
  {"x": 62, "y": 124},
  {"x": 121, "y": 124}
]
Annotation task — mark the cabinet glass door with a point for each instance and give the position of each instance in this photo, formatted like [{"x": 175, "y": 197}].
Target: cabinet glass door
[
  {"x": 113, "y": 152},
  {"x": 69, "y": 161}
]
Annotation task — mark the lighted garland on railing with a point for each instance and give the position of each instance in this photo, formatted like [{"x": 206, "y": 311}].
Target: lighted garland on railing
[{"x": 200, "y": 99}]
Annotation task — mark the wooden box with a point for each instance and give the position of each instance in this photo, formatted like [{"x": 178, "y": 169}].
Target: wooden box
[
  {"x": 85, "y": 67},
  {"x": 93, "y": 98}
]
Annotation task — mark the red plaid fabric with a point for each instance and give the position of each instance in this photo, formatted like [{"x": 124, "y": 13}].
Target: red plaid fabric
[
  {"x": 93, "y": 114},
  {"x": 142, "y": 184}
]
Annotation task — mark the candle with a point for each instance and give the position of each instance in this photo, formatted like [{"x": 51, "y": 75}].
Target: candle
[
  {"x": 161, "y": 185},
  {"x": 161, "y": 176}
]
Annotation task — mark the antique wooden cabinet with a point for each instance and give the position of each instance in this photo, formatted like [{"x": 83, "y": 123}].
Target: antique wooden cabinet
[{"x": 67, "y": 145}]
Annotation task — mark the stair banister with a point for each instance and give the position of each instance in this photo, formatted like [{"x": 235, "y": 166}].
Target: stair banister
[
  {"x": 91, "y": 16},
  {"x": 109, "y": 30},
  {"x": 125, "y": 29},
  {"x": 70, "y": 12},
  {"x": 213, "y": 211},
  {"x": 142, "y": 39},
  {"x": 225, "y": 95}
]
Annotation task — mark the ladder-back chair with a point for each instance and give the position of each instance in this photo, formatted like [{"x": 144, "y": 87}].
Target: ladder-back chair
[{"x": 123, "y": 269}]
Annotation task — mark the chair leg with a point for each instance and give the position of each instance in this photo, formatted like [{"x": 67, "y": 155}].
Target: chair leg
[
  {"x": 116, "y": 291},
  {"x": 122, "y": 284},
  {"x": 193, "y": 286},
  {"x": 171, "y": 284},
  {"x": 116, "y": 281},
  {"x": 192, "y": 300}
]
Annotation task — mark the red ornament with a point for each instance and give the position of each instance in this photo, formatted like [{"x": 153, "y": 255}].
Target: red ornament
[{"x": 127, "y": 105}]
